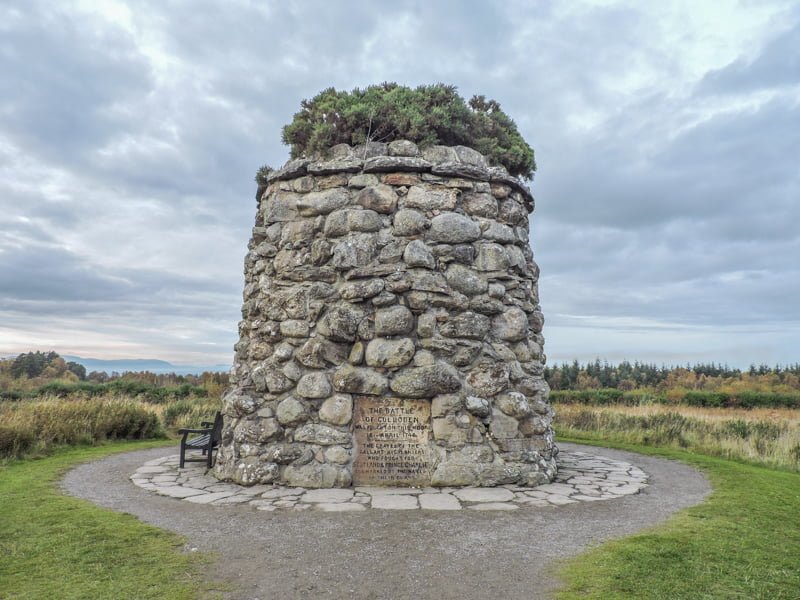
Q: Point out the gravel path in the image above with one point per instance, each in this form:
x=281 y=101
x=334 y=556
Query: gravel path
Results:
x=380 y=554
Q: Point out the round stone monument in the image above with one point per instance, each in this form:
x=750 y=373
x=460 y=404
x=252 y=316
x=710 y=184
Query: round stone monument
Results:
x=391 y=331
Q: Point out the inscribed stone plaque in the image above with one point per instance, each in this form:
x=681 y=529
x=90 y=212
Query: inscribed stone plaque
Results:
x=392 y=441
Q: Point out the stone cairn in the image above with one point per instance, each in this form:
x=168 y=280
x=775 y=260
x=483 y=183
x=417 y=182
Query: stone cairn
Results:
x=391 y=330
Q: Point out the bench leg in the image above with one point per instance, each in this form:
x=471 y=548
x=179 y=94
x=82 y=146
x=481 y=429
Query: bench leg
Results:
x=183 y=455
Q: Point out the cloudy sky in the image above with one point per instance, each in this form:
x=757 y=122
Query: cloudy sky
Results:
x=667 y=136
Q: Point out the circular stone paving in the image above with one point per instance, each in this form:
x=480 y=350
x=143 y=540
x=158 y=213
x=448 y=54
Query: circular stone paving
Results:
x=582 y=477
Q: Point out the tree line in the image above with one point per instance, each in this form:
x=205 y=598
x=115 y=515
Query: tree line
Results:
x=628 y=376
x=46 y=373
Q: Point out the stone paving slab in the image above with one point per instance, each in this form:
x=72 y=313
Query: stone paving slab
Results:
x=395 y=502
x=497 y=494
x=582 y=477
x=494 y=506
x=438 y=502
x=327 y=496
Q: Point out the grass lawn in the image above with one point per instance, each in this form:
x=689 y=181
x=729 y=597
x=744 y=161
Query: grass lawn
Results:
x=56 y=546
x=743 y=542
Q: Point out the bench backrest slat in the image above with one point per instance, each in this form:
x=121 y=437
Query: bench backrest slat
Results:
x=216 y=430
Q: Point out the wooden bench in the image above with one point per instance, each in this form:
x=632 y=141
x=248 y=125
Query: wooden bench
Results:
x=207 y=439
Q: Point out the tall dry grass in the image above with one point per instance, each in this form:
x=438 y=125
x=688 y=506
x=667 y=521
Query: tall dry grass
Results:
x=766 y=436
x=189 y=412
x=30 y=427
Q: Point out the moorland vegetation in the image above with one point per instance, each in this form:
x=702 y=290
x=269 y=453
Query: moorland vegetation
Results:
x=722 y=548
x=46 y=405
x=707 y=385
x=757 y=420
x=751 y=415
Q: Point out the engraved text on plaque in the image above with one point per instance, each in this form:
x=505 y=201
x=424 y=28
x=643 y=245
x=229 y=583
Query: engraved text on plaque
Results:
x=392 y=441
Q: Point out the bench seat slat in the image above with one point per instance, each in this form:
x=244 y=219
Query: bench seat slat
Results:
x=198 y=442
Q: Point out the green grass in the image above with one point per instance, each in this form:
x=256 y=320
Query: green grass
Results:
x=56 y=546
x=743 y=542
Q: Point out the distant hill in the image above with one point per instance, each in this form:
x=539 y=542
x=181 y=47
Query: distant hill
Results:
x=142 y=364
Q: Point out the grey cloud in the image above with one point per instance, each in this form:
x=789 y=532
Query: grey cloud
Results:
x=74 y=88
x=753 y=298
x=776 y=65
x=646 y=212
x=214 y=33
x=41 y=273
x=43 y=216
x=19 y=231
x=63 y=78
x=748 y=146
x=33 y=276
x=193 y=339
x=720 y=169
x=679 y=274
x=473 y=35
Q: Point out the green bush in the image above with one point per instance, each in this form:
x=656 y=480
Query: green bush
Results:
x=707 y=399
x=767 y=399
x=426 y=115
x=62 y=390
x=120 y=387
x=755 y=429
x=262 y=173
x=592 y=397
